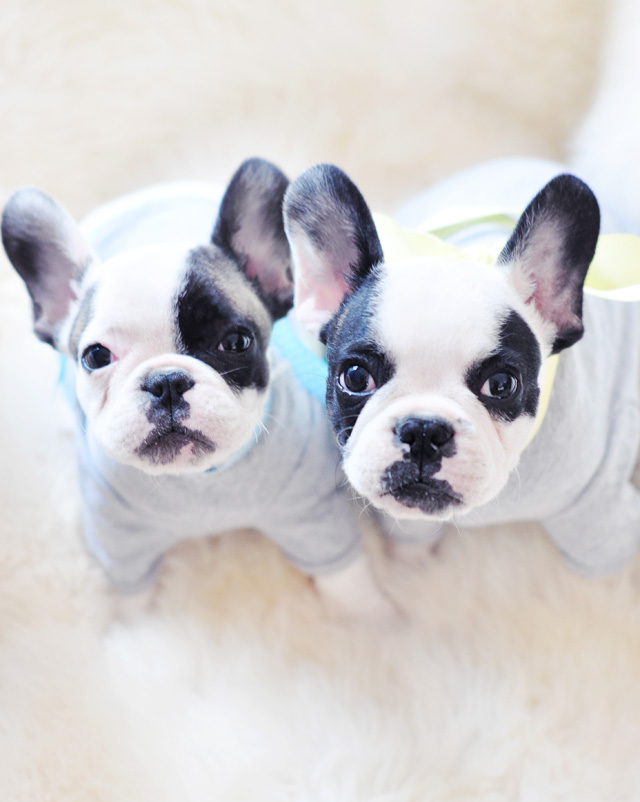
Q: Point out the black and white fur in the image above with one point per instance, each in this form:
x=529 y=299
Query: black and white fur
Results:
x=170 y=342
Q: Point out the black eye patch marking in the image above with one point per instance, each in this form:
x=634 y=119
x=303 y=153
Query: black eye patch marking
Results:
x=518 y=356
x=213 y=329
x=351 y=342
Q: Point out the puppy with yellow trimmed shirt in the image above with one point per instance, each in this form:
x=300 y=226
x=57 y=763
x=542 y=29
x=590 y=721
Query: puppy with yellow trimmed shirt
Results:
x=437 y=355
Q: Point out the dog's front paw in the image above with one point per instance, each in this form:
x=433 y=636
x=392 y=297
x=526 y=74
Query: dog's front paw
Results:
x=129 y=608
x=354 y=593
x=411 y=554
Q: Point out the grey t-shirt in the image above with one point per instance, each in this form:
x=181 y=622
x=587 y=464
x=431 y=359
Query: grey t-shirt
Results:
x=288 y=485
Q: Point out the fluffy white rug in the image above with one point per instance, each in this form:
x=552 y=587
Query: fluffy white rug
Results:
x=509 y=680
x=99 y=98
x=605 y=149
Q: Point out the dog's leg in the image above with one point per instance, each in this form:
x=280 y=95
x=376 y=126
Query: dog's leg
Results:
x=600 y=536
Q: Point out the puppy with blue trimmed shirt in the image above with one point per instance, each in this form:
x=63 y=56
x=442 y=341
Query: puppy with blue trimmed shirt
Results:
x=188 y=425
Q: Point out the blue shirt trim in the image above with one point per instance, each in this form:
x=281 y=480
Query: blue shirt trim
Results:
x=309 y=369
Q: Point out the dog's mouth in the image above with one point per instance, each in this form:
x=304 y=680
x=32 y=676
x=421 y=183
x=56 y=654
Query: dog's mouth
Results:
x=162 y=446
x=409 y=486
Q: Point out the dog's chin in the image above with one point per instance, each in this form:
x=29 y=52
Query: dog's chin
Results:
x=401 y=512
x=179 y=450
x=421 y=500
x=406 y=493
x=402 y=493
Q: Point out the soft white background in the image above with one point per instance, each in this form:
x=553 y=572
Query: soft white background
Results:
x=511 y=679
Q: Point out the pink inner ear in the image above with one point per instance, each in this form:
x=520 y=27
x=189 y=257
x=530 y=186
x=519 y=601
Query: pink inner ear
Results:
x=539 y=299
x=56 y=299
x=330 y=296
x=316 y=304
x=549 y=301
x=60 y=304
x=553 y=302
x=271 y=279
x=320 y=278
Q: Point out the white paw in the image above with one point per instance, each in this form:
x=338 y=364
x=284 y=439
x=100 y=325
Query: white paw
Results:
x=129 y=608
x=354 y=593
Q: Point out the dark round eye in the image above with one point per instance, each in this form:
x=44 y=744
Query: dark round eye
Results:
x=95 y=357
x=235 y=341
x=357 y=380
x=500 y=385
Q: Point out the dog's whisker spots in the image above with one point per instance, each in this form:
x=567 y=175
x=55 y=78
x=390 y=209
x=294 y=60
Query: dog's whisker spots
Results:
x=342 y=431
x=260 y=427
x=278 y=422
x=519 y=478
x=458 y=531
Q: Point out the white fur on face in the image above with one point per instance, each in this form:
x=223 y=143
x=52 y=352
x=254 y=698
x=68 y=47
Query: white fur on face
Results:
x=433 y=327
x=134 y=316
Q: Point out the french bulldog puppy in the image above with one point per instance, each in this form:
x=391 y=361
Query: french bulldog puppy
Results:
x=435 y=365
x=187 y=425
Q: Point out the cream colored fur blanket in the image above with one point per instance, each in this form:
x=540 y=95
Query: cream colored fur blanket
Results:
x=511 y=679
x=99 y=98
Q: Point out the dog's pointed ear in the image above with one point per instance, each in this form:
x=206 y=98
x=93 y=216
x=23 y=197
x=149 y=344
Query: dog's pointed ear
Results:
x=550 y=251
x=250 y=227
x=334 y=243
x=47 y=249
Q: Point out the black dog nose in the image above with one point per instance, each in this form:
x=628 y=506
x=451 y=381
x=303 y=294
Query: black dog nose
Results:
x=167 y=387
x=426 y=437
